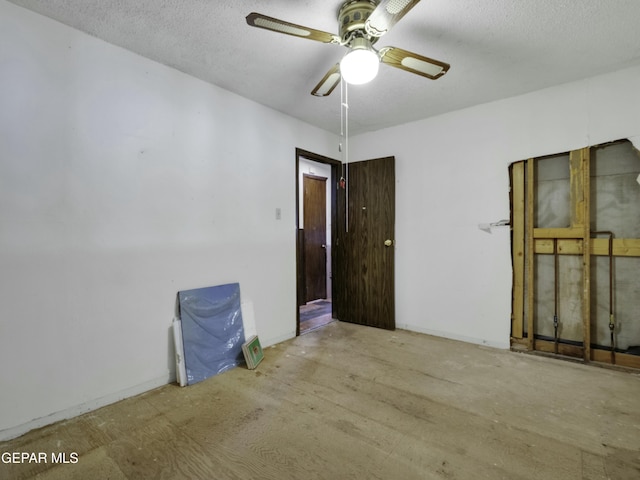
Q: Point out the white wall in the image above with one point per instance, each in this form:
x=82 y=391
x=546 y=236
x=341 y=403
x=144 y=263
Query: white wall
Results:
x=122 y=182
x=452 y=279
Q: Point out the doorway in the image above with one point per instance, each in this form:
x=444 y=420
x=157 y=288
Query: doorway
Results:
x=316 y=214
x=360 y=265
x=315 y=245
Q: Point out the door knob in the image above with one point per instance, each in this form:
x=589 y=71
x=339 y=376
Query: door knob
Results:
x=388 y=243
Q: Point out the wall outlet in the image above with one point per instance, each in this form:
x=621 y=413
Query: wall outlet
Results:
x=278 y=213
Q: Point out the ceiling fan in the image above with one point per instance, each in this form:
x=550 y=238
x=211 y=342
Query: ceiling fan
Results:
x=361 y=23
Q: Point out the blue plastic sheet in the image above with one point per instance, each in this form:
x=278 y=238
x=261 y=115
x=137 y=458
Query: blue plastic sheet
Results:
x=212 y=330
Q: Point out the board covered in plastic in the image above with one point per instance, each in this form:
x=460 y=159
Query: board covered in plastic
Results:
x=212 y=330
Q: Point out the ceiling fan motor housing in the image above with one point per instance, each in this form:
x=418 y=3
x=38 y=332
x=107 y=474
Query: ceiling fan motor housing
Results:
x=352 y=17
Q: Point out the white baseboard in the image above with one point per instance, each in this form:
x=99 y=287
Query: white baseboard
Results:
x=76 y=410
x=275 y=340
x=436 y=333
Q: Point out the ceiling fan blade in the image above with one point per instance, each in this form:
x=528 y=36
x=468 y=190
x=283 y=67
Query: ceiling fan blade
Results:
x=328 y=82
x=386 y=15
x=269 y=23
x=412 y=62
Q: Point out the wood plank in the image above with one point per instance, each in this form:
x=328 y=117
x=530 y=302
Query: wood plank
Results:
x=578 y=195
x=622 y=247
x=568 y=246
x=563 y=348
x=622 y=359
x=572 y=232
x=518 y=247
x=518 y=343
x=529 y=264
x=584 y=203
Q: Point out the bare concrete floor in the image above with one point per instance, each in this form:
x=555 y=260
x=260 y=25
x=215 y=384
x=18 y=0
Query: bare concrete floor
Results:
x=350 y=402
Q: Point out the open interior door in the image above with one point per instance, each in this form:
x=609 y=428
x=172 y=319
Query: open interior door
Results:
x=315 y=237
x=365 y=244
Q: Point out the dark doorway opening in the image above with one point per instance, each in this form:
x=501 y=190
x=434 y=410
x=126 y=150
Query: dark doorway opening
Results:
x=316 y=179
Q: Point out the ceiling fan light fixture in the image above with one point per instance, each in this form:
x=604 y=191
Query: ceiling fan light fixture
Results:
x=361 y=64
x=360 y=23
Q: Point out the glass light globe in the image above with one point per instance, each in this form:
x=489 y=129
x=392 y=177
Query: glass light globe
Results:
x=359 y=66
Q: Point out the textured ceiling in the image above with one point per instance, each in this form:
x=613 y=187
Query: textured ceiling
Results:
x=496 y=48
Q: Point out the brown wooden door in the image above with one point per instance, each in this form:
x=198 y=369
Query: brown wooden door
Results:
x=366 y=244
x=315 y=237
